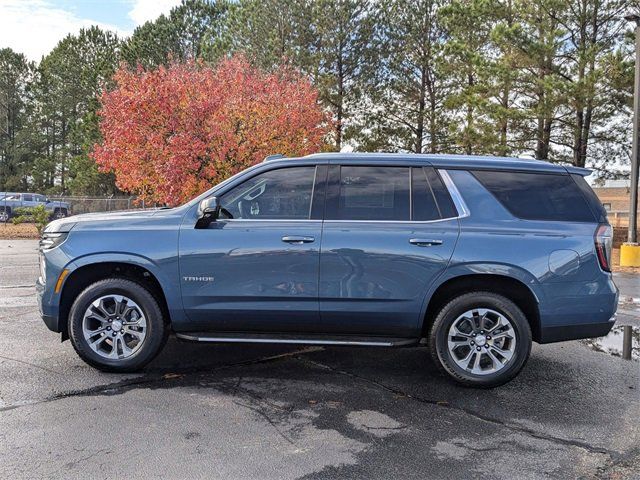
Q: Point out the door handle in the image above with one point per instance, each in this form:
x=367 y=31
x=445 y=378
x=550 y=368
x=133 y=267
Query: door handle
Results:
x=422 y=242
x=297 y=240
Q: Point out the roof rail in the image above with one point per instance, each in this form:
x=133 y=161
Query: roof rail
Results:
x=275 y=156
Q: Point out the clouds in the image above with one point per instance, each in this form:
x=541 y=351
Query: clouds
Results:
x=145 y=10
x=34 y=27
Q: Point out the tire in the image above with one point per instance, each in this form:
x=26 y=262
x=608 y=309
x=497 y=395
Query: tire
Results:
x=147 y=313
x=5 y=214
x=59 y=213
x=501 y=358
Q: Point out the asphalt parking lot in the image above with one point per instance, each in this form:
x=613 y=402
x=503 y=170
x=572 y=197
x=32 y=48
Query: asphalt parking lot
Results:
x=207 y=411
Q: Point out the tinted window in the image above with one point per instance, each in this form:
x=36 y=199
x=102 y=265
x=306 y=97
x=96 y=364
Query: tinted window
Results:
x=535 y=196
x=27 y=198
x=597 y=207
x=277 y=194
x=424 y=205
x=440 y=192
x=371 y=193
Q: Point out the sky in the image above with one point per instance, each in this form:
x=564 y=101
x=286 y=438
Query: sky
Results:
x=34 y=27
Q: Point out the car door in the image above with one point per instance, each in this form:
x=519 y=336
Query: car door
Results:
x=256 y=267
x=389 y=231
x=28 y=200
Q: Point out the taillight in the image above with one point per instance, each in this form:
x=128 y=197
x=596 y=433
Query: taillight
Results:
x=603 y=240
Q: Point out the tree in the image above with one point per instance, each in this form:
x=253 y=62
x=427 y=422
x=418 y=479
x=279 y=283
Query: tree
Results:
x=177 y=37
x=16 y=74
x=345 y=59
x=171 y=133
x=595 y=31
x=469 y=24
x=409 y=99
x=69 y=81
x=269 y=33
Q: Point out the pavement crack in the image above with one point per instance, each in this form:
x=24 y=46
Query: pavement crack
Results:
x=485 y=418
x=264 y=415
x=30 y=364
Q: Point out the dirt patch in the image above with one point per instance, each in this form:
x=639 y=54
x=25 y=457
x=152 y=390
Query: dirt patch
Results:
x=9 y=231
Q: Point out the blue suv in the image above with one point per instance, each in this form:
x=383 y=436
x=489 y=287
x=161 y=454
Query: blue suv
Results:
x=476 y=256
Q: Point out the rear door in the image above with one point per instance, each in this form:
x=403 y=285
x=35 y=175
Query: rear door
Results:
x=389 y=231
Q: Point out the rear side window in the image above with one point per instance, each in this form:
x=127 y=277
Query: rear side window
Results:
x=596 y=206
x=538 y=196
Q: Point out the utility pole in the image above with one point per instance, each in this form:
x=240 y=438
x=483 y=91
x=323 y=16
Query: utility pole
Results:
x=630 y=253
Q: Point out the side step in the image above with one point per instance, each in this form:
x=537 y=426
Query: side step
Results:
x=347 y=340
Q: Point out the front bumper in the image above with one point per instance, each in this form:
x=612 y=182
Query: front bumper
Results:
x=49 y=317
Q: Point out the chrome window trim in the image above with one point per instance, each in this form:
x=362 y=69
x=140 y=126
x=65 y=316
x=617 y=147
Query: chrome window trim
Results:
x=456 y=197
x=458 y=201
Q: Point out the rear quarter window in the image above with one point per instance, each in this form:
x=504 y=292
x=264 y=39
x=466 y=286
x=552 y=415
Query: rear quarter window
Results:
x=538 y=196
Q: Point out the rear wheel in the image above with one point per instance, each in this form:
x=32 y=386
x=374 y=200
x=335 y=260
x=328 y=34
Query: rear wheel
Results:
x=116 y=325
x=5 y=214
x=60 y=213
x=480 y=339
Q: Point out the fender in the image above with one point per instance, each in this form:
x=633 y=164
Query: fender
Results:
x=170 y=287
x=482 y=268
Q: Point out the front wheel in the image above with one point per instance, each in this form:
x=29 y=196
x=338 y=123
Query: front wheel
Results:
x=480 y=339
x=116 y=325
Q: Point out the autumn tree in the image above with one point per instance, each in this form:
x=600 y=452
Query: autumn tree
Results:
x=174 y=132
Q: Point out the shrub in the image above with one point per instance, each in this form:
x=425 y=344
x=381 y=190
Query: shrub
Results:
x=38 y=215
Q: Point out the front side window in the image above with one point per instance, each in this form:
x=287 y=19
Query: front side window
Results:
x=371 y=193
x=283 y=194
x=27 y=198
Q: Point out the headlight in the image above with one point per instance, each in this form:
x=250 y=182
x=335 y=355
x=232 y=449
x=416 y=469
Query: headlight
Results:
x=52 y=240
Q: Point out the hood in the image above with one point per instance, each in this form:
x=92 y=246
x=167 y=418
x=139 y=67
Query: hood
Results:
x=66 y=224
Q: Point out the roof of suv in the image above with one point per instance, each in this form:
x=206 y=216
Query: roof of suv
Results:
x=446 y=161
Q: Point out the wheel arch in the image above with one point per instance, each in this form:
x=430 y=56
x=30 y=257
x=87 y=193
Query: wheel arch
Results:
x=511 y=287
x=90 y=272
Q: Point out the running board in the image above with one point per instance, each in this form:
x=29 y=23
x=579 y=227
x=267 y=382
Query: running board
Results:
x=345 y=340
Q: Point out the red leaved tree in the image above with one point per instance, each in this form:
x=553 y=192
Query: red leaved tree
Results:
x=174 y=132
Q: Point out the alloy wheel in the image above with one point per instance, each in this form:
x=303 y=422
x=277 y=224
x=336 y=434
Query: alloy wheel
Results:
x=114 y=327
x=481 y=341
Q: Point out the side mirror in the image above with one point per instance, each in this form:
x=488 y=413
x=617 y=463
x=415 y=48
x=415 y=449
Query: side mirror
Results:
x=208 y=211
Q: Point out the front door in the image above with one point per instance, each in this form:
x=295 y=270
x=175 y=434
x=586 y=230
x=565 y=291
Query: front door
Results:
x=256 y=268
x=385 y=239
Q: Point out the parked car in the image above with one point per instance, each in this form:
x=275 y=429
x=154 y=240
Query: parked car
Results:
x=12 y=201
x=480 y=256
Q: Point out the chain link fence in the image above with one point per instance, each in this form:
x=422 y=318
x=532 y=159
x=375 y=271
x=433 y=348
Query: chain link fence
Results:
x=81 y=204
x=65 y=205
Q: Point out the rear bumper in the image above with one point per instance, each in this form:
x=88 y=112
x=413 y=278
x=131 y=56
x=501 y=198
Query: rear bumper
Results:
x=575 y=311
x=573 y=332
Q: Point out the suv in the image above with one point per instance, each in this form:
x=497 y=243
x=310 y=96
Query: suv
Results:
x=9 y=202
x=478 y=256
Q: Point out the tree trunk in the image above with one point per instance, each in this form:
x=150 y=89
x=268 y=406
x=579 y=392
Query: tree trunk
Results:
x=421 y=110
